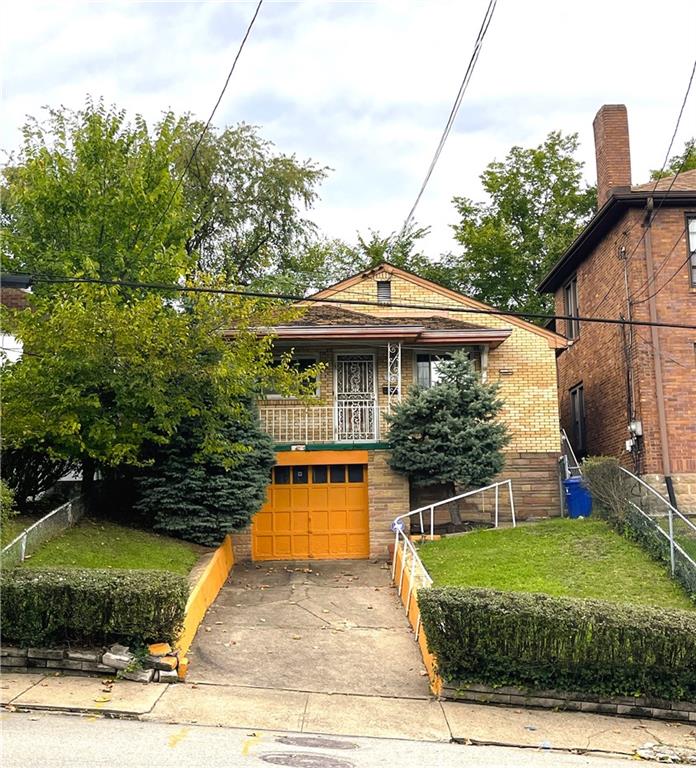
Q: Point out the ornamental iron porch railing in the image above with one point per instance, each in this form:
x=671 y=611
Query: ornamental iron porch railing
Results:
x=344 y=421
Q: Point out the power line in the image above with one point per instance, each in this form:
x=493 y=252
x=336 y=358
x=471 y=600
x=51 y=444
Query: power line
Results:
x=205 y=128
x=689 y=256
x=657 y=181
x=357 y=302
x=455 y=107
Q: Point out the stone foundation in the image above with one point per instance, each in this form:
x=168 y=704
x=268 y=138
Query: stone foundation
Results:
x=241 y=545
x=684 y=489
x=535 y=491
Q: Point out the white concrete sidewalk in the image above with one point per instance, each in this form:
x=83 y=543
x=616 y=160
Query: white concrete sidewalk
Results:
x=308 y=712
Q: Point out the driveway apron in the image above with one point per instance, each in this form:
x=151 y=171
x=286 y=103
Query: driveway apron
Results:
x=328 y=626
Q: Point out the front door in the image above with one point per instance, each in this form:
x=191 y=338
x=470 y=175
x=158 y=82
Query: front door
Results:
x=355 y=416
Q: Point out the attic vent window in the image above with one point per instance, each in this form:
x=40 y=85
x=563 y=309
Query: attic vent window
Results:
x=383 y=292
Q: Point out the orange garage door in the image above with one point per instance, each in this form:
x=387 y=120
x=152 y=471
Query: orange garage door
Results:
x=315 y=512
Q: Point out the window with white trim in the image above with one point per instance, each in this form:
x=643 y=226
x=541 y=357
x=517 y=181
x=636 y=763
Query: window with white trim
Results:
x=577 y=420
x=691 y=245
x=570 y=307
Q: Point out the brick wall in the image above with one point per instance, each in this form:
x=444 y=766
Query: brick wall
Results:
x=388 y=496
x=527 y=358
x=534 y=485
x=13 y=298
x=598 y=359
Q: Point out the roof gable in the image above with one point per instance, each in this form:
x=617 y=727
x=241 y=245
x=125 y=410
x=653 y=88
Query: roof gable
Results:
x=440 y=291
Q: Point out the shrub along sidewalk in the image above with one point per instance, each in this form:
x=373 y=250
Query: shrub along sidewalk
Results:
x=61 y=606
x=572 y=558
x=101 y=544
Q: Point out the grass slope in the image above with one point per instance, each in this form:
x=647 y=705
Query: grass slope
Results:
x=100 y=544
x=573 y=558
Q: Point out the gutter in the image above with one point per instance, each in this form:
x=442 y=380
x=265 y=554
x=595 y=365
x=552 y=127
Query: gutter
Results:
x=657 y=357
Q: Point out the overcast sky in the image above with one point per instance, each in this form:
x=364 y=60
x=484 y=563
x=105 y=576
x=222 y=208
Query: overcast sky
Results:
x=366 y=87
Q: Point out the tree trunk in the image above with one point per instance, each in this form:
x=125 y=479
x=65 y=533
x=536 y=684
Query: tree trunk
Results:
x=88 y=469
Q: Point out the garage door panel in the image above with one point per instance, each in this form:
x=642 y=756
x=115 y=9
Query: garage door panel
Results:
x=300 y=522
x=358 y=543
x=318 y=497
x=281 y=498
x=327 y=519
x=300 y=547
x=356 y=519
x=320 y=520
x=338 y=519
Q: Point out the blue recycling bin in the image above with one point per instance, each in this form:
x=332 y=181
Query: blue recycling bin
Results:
x=578 y=498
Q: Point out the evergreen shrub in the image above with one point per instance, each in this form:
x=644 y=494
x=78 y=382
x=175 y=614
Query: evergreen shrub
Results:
x=449 y=433
x=203 y=500
x=543 y=642
x=59 y=606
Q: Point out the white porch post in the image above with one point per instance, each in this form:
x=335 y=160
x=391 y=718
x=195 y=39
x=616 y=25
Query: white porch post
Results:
x=484 y=363
x=393 y=374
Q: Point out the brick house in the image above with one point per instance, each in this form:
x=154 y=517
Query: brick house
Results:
x=631 y=392
x=333 y=494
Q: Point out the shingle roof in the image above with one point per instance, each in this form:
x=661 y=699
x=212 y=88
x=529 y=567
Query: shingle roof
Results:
x=331 y=315
x=683 y=182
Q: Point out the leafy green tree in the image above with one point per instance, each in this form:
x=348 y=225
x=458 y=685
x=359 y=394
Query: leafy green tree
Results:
x=108 y=369
x=333 y=260
x=449 y=434
x=202 y=501
x=7 y=508
x=246 y=203
x=537 y=205
x=684 y=161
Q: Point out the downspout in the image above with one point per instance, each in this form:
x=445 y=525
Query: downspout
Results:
x=657 y=358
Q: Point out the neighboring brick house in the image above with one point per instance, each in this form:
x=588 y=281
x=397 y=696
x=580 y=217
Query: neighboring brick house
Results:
x=631 y=392
x=10 y=298
x=333 y=494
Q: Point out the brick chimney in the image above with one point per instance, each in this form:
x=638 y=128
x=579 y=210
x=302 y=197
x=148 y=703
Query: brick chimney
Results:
x=612 y=151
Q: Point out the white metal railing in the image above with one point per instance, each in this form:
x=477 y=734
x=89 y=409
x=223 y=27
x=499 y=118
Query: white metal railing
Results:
x=656 y=508
x=42 y=530
x=344 y=421
x=406 y=552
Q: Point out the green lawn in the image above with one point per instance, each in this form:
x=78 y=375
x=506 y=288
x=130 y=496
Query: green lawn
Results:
x=99 y=544
x=573 y=558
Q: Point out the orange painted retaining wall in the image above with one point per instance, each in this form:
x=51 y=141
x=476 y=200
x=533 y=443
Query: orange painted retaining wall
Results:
x=205 y=591
x=408 y=598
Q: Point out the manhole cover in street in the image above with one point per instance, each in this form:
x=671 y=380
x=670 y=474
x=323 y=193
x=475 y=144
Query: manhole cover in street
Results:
x=304 y=760
x=315 y=741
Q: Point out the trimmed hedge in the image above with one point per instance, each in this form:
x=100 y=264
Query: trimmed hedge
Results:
x=539 y=641
x=59 y=606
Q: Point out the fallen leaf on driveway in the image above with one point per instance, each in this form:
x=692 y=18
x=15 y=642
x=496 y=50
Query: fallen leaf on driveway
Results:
x=297 y=637
x=102 y=699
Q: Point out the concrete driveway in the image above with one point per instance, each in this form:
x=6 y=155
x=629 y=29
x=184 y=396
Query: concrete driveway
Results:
x=322 y=626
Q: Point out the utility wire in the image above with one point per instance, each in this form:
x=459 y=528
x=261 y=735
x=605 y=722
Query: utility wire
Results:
x=689 y=256
x=455 y=107
x=205 y=128
x=657 y=181
x=359 y=302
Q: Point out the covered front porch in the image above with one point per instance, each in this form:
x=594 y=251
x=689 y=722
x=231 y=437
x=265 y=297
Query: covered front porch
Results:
x=367 y=370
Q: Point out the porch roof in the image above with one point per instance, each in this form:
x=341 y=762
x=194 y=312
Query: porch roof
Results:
x=331 y=323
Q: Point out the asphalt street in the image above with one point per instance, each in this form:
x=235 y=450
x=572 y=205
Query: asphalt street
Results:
x=41 y=740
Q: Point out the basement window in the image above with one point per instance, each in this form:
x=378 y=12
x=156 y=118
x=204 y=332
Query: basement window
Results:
x=384 y=292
